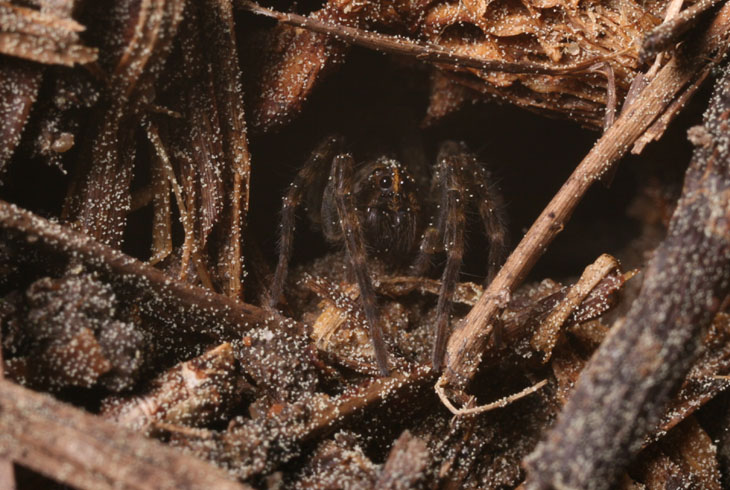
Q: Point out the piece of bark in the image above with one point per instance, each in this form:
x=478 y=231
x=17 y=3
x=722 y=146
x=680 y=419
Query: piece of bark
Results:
x=624 y=389
x=406 y=464
x=287 y=63
x=548 y=332
x=74 y=337
x=339 y=463
x=85 y=451
x=194 y=393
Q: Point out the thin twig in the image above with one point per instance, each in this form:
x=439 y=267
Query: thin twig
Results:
x=624 y=389
x=86 y=451
x=467 y=343
x=669 y=32
x=406 y=47
x=350 y=403
x=502 y=402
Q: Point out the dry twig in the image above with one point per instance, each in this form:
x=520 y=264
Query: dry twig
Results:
x=467 y=343
x=623 y=390
x=669 y=32
x=403 y=46
x=83 y=450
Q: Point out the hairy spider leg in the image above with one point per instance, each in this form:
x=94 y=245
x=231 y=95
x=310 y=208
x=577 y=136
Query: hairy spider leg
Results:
x=491 y=209
x=431 y=242
x=476 y=180
x=314 y=167
x=342 y=175
x=453 y=216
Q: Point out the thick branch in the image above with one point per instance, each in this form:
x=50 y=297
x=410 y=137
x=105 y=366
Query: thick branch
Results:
x=83 y=450
x=623 y=391
x=467 y=344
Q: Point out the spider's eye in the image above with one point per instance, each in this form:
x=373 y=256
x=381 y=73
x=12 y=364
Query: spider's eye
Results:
x=386 y=182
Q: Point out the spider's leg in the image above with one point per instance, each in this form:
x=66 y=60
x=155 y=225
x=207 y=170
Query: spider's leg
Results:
x=314 y=167
x=491 y=209
x=430 y=242
x=342 y=173
x=454 y=221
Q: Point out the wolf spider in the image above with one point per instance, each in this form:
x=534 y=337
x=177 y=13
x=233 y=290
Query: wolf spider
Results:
x=375 y=210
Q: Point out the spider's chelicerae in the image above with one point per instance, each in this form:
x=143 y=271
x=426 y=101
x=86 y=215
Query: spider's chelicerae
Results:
x=376 y=210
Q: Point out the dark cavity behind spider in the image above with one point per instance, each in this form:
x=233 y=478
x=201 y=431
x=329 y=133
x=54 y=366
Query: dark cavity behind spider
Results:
x=377 y=210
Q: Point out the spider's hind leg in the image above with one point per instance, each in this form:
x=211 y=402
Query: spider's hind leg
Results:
x=342 y=177
x=315 y=167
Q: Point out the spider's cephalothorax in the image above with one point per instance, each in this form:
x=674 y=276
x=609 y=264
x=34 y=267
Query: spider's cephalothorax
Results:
x=386 y=204
x=376 y=210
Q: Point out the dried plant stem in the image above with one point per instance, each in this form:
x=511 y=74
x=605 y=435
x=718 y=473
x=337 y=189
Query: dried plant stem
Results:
x=502 y=402
x=220 y=34
x=377 y=390
x=180 y=305
x=547 y=333
x=169 y=175
x=100 y=199
x=669 y=32
x=468 y=342
x=624 y=389
x=403 y=46
x=85 y=451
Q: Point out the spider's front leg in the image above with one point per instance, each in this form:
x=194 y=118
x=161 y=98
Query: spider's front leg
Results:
x=314 y=167
x=342 y=175
x=452 y=217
